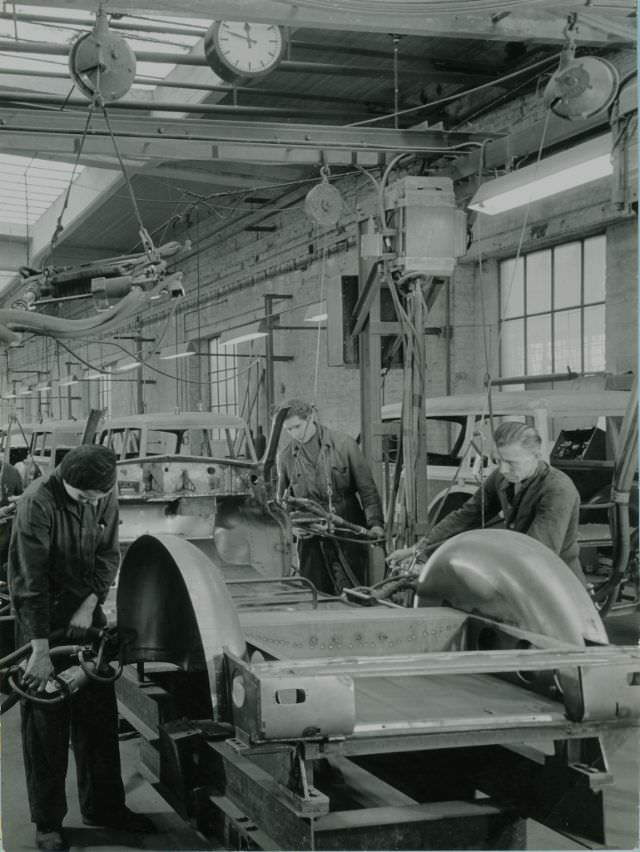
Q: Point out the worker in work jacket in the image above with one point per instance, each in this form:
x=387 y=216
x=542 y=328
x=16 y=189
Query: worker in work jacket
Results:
x=534 y=499
x=327 y=466
x=63 y=557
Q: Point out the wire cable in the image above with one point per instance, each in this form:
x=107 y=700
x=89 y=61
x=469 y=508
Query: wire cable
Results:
x=456 y=95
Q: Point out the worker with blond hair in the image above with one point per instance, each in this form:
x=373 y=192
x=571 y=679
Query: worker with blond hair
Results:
x=533 y=497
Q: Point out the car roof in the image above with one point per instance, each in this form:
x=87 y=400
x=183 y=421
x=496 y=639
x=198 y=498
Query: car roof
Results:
x=559 y=403
x=171 y=421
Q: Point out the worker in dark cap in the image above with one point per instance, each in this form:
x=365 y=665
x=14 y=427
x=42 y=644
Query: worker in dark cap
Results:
x=63 y=557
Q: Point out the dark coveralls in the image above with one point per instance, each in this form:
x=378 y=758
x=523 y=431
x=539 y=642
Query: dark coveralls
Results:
x=61 y=551
x=10 y=486
x=339 y=476
x=546 y=507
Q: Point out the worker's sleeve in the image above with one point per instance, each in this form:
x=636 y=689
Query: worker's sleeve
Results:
x=554 y=514
x=29 y=570
x=365 y=485
x=107 y=549
x=485 y=502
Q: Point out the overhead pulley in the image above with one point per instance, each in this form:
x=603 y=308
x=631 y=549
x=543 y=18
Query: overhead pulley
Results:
x=583 y=87
x=323 y=203
x=101 y=63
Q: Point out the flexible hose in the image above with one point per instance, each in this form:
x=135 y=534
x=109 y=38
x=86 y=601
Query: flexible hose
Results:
x=57 y=699
x=91 y=673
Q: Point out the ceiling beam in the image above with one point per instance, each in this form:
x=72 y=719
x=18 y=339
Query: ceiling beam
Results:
x=523 y=143
x=151 y=138
x=530 y=26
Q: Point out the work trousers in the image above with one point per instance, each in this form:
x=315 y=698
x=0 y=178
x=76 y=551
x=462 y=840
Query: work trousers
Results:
x=319 y=563
x=91 y=717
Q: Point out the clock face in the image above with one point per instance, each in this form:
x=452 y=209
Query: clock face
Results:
x=247 y=50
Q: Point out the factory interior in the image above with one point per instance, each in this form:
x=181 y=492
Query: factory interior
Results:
x=319 y=425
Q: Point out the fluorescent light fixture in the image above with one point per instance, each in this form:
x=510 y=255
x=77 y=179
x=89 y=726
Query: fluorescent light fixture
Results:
x=316 y=312
x=576 y=166
x=178 y=350
x=130 y=365
x=44 y=387
x=8 y=395
x=23 y=392
x=251 y=331
x=93 y=375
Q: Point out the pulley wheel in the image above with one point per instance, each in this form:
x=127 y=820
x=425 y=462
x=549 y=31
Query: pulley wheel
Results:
x=102 y=63
x=323 y=204
x=583 y=88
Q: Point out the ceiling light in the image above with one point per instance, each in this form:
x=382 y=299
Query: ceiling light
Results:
x=44 y=387
x=23 y=392
x=566 y=170
x=316 y=312
x=130 y=365
x=251 y=331
x=8 y=395
x=93 y=375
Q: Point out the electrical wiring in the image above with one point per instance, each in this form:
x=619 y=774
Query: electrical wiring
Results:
x=456 y=95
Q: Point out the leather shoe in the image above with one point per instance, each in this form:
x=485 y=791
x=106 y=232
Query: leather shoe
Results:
x=124 y=820
x=51 y=840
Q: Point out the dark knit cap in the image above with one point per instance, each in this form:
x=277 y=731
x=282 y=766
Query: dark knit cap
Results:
x=89 y=467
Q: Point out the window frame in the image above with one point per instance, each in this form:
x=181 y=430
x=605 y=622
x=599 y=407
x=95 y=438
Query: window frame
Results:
x=552 y=312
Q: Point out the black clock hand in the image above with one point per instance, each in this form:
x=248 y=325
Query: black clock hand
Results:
x=239 y=35
x=247 y=29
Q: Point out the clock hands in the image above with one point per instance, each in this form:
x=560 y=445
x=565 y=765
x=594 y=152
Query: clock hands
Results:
x=247 y=29
x=250 y=41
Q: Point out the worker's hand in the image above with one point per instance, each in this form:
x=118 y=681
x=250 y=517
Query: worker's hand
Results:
x=379 y=531
x=400 y=555
x=39 y=669
x=82 y=618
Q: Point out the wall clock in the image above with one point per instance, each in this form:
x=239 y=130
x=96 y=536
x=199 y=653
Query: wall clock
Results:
x=241 y=50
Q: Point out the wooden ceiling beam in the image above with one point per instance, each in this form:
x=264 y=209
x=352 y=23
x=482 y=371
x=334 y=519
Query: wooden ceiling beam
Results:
x=532 y=26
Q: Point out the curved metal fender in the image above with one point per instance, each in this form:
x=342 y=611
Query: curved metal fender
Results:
x=511 y=578
x=175 y=607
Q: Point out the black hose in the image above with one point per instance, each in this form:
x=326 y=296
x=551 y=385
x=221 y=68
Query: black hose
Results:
x=58 y=699
x=91 y=673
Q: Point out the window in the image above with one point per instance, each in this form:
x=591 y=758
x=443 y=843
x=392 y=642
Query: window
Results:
x=223 y=377
x=552 y=310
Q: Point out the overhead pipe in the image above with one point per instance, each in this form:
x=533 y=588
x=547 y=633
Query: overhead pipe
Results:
x=212 y=87
x=11 y=46
x=170 y=106
x=464 y=69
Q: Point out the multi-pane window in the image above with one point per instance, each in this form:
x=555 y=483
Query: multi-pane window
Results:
x=552 y=310
x=223 y=376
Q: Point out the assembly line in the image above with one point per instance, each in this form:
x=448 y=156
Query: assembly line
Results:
x=319 y=441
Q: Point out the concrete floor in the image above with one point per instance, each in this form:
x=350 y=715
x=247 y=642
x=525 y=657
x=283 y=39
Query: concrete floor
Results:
x=622 y=799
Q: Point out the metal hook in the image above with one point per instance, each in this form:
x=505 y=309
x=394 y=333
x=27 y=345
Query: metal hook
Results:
x=325 y=172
